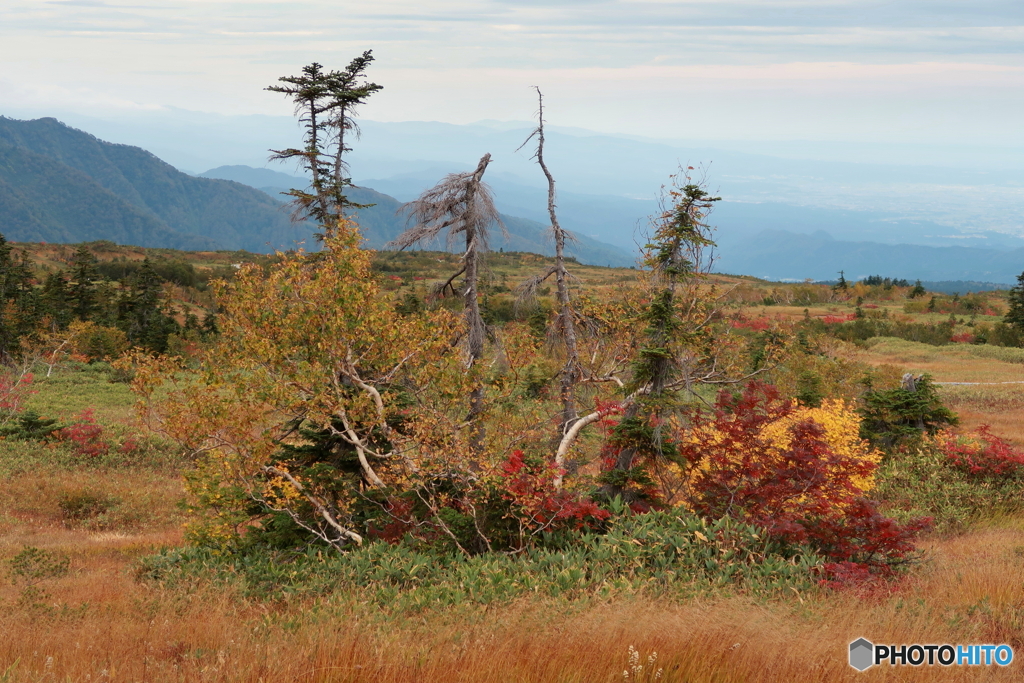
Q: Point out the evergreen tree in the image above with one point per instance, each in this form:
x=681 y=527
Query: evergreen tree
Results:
x=917 y=291
x=84 y=300
x=892 y=417
x=673 y=256
x=842 y=285
x=1015 y=314
x=19 y=303
x=55 y=301
x=142 y=314
x=210 y=328
x=191 y=322
x=325 y=102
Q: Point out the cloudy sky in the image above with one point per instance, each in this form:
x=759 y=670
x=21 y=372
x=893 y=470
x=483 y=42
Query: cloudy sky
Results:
x=924 y=71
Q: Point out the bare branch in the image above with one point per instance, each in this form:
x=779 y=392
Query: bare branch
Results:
x=574 y=431
x=315 y=502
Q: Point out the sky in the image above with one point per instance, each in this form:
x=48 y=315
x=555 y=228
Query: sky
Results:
x=936 y=72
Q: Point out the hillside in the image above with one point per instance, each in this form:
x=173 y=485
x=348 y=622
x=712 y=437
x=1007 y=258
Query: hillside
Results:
x=63 y=185
x=59 y=184
x=42 y=199
x=383 y=221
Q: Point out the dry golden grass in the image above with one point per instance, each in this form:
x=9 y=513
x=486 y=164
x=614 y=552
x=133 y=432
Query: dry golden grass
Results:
x=951 y=363
x=1000 y=406
x=970 y=589
x=137 y=499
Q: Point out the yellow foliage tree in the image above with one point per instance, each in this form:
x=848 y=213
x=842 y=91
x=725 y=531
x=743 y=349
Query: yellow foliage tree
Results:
x=311 y=350
x=840 y=425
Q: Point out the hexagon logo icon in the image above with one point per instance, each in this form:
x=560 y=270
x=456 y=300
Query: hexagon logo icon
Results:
x=862 y=654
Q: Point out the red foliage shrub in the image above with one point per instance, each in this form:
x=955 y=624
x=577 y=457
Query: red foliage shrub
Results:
x=13 y=392
x=962 y=338
x=400 y=522
x=803 y=494
x=85 y=436
x=757 y=324
x=538 y=505
x=982 y=453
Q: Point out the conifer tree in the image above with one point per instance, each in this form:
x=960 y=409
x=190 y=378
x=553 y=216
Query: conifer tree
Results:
x=142 y=313
x=19 y=302
x=673 y=255
x=841 y=285
x=325 y=102
x=83 y=291
x=1015 y=314
x=55 y=301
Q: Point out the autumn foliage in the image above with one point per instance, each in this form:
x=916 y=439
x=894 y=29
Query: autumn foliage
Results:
x=85 y=436
x=981 y=453
x=756 y=458
x=328 y=413
x=538 y=505
x=14 y=389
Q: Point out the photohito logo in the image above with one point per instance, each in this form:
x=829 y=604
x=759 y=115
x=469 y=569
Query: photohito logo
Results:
x=864 y=654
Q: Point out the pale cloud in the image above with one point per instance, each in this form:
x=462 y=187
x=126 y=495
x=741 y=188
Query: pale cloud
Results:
x=822 y=67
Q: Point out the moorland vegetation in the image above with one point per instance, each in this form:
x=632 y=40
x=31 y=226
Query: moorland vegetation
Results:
x=413 y=465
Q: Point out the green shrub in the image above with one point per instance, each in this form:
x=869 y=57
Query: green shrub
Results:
x=659 y=553
x=899 y=417
x=99 y=343
x=30 y=569
x=30 y=425
x=78 y=505
x=33 y=565
x=925 y=481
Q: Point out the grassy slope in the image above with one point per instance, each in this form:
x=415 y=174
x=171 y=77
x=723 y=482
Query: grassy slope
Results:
x=100 y=622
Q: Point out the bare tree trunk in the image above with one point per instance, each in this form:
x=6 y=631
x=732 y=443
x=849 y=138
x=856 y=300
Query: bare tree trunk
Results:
x=312 y=152
x=461 y=203
x=566 y=325
x=339 y=164
x=471 y=306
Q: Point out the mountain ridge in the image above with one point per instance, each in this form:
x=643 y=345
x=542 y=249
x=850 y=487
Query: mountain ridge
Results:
x=61 y=184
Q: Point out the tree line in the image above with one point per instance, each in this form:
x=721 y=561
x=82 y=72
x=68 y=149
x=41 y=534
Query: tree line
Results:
x=125 y=303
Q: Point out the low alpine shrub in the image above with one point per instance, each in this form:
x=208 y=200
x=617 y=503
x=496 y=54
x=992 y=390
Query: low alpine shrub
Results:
x=800 y=490
x=981 y=453
x=955 y=478
x=85 y=436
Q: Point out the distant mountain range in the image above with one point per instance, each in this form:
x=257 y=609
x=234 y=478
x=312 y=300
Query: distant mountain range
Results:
x=776 y=254
x=384 y=221
x=59 y=184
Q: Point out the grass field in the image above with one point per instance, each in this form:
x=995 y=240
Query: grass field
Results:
x=985 y=399
x=100 y=621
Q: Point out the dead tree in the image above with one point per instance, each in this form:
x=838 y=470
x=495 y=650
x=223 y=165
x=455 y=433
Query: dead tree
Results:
x=460 y=204
x=565 y=323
